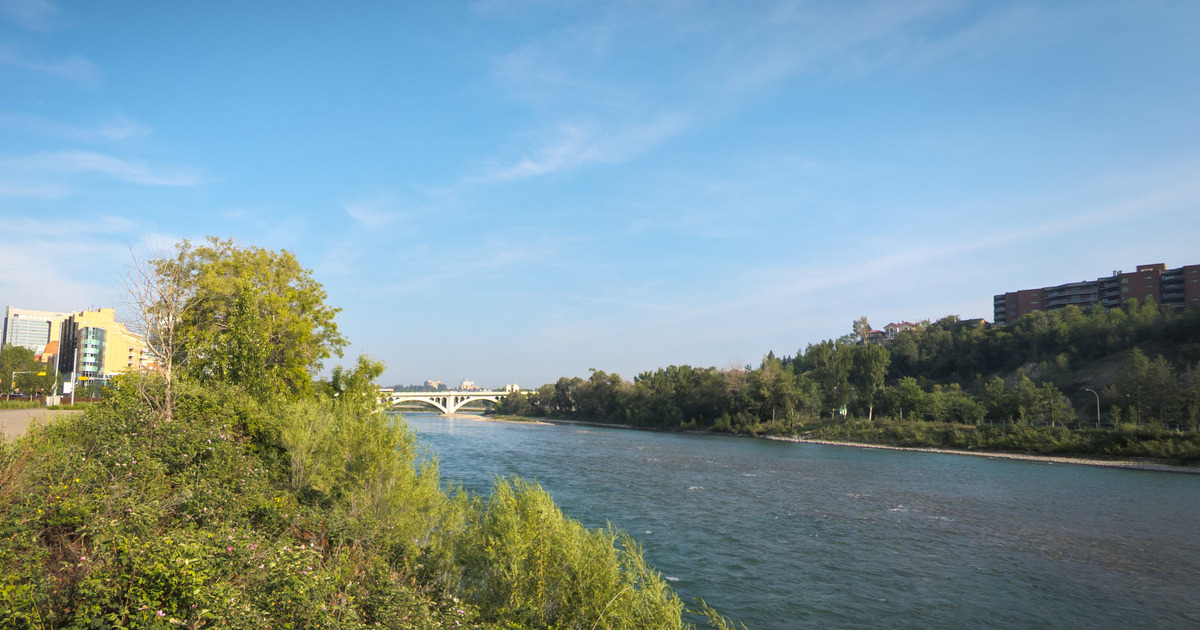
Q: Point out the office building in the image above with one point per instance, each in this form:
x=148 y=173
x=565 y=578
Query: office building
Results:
x=93 y=344
x=31 y=329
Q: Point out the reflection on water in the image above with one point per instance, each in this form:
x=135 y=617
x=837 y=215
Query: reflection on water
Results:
x=781 y=535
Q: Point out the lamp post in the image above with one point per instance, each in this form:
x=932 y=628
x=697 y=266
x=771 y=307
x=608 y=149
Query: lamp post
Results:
x=1097 y=405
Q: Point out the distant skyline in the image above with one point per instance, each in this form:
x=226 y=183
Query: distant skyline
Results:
x=510 y=191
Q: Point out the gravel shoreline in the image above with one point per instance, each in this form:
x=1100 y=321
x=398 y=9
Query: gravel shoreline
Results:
x=1048 y=459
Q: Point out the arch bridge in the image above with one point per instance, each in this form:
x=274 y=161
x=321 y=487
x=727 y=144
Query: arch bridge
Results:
x=446 y=402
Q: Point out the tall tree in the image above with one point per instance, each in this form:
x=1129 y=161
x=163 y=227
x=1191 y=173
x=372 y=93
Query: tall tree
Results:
x=254 y=317
x=867 y=369
x=862 y=329
x=829 y=367
x=159 y=291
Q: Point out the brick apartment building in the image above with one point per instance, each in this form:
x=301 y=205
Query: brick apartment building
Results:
x=1173 y=287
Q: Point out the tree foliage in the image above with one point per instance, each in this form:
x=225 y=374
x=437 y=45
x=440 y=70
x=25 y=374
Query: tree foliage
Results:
x=253 y=317
x=945 y=371
x=21 y=372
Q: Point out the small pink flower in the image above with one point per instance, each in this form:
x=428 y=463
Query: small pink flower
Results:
x=83 y=558
x=162 y=614
x=229 y=549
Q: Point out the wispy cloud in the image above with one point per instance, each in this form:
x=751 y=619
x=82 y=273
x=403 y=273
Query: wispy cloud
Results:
x=114 y=129
x=569 y=75
x=372 y=212
x=570 y=146
x=32 y=228
x=72 y=162
x=32 y=191
x=35 y=15
x=74 y=68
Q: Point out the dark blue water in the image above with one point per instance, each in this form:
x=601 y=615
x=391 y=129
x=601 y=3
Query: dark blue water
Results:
x=781 y=535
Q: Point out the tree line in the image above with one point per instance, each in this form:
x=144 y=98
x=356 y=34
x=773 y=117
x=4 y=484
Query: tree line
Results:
x=1035 y=371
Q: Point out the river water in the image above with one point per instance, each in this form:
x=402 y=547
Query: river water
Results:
x=783 y=535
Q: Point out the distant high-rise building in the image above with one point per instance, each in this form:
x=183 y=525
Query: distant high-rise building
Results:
x=31 y=329
x=1173 y=287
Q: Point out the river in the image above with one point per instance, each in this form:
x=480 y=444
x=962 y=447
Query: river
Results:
x=779 y=535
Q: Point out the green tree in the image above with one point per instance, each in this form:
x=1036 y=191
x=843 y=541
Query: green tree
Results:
x=862 y=329
x=354 y=387
x=828 y=363
x=867 y=368
x=20 y=371
x=775 y=387
x=1134 y=383
x=255 y=318
x=911 y=399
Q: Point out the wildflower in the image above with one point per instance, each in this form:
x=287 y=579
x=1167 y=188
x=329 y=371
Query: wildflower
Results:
x=229 y=549
x=162 y=614
x=83 y=558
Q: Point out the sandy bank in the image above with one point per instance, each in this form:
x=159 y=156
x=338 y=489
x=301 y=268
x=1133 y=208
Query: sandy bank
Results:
x=1048 y=459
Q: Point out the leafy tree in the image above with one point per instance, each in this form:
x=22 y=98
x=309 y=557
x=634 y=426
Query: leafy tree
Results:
x=829 y=363
x=911 y=399
x=868 y=367
x=20 y=371
x=775 y=387
x=355 y=387
x=862 y=329
x=254 y=317
x=1134 y=382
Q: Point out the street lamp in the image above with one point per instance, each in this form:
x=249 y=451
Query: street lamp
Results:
x=1097 y=405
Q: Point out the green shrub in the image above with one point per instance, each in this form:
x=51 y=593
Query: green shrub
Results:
x=518 y=558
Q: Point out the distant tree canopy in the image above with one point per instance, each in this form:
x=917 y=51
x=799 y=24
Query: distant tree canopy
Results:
x=949 y=371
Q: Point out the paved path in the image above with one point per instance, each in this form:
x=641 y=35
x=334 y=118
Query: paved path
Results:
x=14 y=422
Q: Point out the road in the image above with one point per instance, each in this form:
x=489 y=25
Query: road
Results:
x=14 y=422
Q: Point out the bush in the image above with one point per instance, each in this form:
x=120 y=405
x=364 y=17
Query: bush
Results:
x=312 y=515
x=518 y=558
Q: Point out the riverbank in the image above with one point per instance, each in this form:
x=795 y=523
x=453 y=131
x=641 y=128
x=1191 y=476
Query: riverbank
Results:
x=1047 y=459
x=1128 y=464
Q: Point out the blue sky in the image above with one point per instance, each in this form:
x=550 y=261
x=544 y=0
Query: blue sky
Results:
x=513 y=191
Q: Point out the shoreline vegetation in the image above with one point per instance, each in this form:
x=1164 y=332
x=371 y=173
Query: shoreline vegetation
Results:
x=1104 y=384
x=1128 y=464
x=230 y=487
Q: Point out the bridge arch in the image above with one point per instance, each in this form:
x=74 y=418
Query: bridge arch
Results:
x=447 y=402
